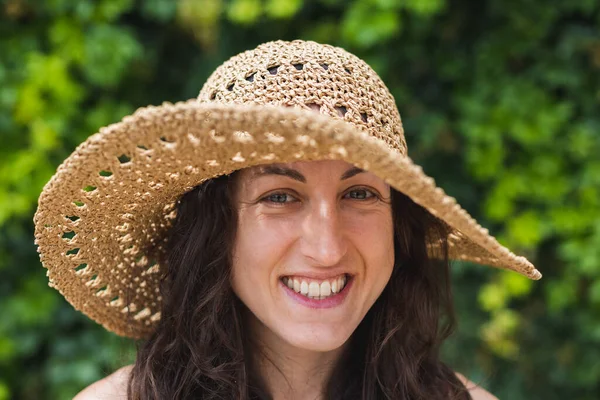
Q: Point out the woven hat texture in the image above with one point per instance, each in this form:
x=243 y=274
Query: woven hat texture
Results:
x=108 y=208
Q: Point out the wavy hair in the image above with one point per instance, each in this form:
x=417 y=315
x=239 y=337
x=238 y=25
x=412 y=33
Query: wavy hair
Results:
x=200 y=350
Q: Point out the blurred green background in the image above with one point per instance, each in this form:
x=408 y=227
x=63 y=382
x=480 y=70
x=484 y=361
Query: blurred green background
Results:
x=500 y=102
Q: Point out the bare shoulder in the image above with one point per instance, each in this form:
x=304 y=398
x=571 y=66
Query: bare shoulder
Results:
x=476 y=391
x=113 y=386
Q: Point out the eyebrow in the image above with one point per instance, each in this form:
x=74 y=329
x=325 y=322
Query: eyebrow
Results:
x=273 y=169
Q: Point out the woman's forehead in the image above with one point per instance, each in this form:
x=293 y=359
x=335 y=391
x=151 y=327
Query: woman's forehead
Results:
x=299 y=169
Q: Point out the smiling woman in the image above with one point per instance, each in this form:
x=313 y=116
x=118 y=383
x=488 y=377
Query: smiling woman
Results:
x=328 y=273
x=304 y=230
x=265 y=250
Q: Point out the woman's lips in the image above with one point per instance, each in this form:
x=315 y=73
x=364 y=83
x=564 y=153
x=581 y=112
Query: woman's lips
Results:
x=330 y=301
x=315 y=288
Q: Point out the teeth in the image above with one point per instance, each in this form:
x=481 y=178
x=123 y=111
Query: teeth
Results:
x=314 y=290
x=304 y=288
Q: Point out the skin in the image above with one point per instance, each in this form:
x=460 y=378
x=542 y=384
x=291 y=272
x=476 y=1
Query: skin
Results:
x=322 y=226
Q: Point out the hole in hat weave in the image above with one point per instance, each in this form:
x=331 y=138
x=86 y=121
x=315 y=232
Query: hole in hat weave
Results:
x=116 y=301
x=92 y=281
x=103 y=291
x=68 y=235
x=80 y=267
x=341 y=111
x=123 y=158
x=314 y=106
x=273 y=70
x=73 y=251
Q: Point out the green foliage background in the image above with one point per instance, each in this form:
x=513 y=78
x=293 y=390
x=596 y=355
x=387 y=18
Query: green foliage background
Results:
x=500 y=102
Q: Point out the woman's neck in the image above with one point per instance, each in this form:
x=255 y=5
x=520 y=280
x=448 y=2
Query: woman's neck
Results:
x=291 y=373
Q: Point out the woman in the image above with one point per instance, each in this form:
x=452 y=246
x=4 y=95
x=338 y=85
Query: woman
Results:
x=261 y=249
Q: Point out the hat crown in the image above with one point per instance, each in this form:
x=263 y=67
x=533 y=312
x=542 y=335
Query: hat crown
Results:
x=314 y=76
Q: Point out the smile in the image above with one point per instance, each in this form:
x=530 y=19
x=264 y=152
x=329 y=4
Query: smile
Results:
x=316 y=289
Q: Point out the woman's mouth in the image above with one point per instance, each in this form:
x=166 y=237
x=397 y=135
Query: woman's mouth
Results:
x=314 y=288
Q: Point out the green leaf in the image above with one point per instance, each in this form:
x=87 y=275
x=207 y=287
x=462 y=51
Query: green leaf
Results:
x=499 y=332
x=110 y=10
x=4 y=391
x=492 y=297
x=29 y=103
x=594 y=292
x=425 y=7
x=160 y=10
x=486 y=160
x=364 y=26
x=67 y=38
x=583 y=139
x=525 y=228
x=570 y=220
x=516 y=285
x=500 y=204
x=84 y=10
x=560 y=294
x=109 y=51
x=7 y=349
x=244 y=11
x=283 y=9
x=43 y=135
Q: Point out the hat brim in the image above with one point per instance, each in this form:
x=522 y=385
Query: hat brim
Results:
x=115 y=196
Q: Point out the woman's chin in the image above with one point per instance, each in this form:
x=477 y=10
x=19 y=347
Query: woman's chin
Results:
x=321 y=339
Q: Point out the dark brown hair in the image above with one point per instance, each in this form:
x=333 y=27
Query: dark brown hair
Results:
x=200 y=350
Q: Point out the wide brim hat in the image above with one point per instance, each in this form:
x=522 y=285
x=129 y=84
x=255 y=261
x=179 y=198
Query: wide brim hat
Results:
x=105 y=214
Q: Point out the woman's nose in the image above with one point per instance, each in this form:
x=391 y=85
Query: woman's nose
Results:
x=323 y=240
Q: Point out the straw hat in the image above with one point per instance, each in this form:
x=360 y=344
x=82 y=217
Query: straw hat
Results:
x=114 y=198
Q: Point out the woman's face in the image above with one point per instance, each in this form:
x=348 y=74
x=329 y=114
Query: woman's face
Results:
x=314 y=249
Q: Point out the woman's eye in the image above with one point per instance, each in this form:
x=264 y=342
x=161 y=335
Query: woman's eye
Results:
x=283 y=198
x=361 y=194
x=277 y=198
